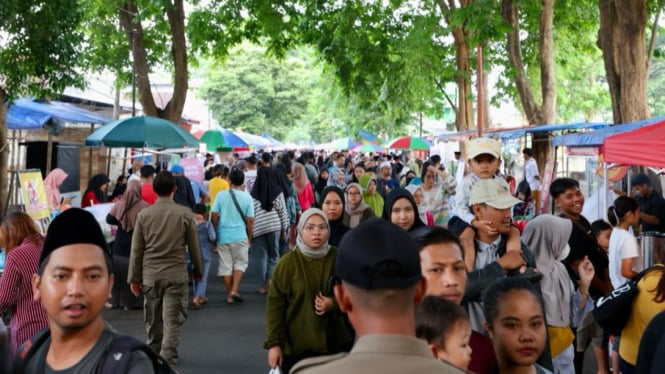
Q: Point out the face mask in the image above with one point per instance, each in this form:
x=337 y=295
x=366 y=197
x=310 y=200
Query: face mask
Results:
x=564 y=254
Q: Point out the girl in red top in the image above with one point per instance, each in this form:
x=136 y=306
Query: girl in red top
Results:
x=96 y=191
x=303 y=187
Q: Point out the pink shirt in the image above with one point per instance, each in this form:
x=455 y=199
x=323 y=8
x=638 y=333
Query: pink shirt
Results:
x=306 y=197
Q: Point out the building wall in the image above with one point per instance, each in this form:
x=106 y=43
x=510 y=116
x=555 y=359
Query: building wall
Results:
x=93 y=160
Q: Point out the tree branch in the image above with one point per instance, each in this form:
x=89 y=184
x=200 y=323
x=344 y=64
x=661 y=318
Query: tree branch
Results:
x=443 y=91
x=654 y=33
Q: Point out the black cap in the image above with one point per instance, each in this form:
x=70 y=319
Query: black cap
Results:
x=377 y=255
x=199 y=209
x=640 y=179
x=73 y=226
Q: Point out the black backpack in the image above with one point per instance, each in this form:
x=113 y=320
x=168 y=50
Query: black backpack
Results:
x=115 y=361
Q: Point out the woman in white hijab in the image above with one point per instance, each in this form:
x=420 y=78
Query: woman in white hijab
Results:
x=547 y=236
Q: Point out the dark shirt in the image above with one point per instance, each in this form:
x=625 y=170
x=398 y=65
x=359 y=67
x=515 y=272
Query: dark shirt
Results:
x=652 y=347
x=654 y=205
x=583 y=243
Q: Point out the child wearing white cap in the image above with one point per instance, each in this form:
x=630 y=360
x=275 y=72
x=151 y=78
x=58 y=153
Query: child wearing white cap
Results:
x=484 y=156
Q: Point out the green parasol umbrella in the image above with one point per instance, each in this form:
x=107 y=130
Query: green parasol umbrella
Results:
x=142 y=132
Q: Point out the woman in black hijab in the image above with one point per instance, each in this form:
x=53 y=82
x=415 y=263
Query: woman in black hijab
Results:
x=332 y=203
x=401 y=209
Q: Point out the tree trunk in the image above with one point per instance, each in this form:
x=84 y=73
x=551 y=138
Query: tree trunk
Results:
x=545 y=113
x=135 y=35
x=4 y=152
x=464 y=112
x=621 y=37
x=464 y=120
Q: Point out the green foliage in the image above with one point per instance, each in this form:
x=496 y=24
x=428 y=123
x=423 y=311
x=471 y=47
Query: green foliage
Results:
x=256 y=93
x=39 y=46
x=582 y=92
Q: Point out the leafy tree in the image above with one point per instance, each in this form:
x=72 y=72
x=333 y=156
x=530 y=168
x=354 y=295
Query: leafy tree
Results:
x=38 y=56
x=256 y=93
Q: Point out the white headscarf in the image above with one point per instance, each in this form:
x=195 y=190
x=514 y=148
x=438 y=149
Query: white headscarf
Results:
x=304 y=249
x=547 y=237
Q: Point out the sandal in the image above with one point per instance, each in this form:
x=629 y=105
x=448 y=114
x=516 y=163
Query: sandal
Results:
x=237 y=298
x=196 y=305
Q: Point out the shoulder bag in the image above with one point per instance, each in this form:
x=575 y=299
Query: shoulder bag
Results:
x=613 y=311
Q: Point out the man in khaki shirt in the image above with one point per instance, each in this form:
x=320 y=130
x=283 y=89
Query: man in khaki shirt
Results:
x=381 y=283
x=162 y=234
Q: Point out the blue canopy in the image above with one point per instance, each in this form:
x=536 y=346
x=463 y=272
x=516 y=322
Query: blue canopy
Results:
x=29 y=114
x=518 y=133
x=596 y=138
x=274 y=142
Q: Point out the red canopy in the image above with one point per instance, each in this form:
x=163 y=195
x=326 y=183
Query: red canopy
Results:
x=638 y=147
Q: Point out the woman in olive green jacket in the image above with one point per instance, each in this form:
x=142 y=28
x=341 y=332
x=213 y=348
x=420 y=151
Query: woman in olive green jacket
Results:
x=302 y=319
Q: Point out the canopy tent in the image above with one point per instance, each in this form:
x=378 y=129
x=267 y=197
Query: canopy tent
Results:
x=505 y=135
x=637 y=147
x=340 y=144
x=596 y=138
x=366 y=137
x=30 y=114
x=252 y=140
x=273 y=142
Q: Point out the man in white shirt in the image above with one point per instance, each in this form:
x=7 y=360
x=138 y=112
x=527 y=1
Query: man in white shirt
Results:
x=532 y=176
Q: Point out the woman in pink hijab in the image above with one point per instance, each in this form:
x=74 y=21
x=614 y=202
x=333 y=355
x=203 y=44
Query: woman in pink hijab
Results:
x=52 y=184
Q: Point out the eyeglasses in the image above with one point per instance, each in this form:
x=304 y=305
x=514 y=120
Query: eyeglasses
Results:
x=312 y=228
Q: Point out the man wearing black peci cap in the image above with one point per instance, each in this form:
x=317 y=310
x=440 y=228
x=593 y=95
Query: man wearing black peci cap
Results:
x=73 y=282
x=381 y=283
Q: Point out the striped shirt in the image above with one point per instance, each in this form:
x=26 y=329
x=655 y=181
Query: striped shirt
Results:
x=27 y=315
x=273 y=221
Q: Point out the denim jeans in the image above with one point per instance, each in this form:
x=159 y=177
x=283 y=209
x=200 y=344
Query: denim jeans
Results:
x=265 y=253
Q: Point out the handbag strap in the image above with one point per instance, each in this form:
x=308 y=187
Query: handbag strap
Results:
x=235 y=202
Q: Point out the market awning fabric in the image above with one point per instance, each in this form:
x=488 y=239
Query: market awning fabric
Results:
x=638 y=147
x=596 y=138
x=30 y=114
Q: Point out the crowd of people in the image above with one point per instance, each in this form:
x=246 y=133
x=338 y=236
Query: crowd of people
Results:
x=369 y=263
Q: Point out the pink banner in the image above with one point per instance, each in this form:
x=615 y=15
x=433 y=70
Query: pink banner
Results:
x=193 y=169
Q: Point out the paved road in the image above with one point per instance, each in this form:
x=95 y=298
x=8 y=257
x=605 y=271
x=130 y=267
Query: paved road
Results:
x=220 y=338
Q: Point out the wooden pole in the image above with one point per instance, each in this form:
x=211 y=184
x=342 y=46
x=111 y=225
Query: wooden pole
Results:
x=479 y=90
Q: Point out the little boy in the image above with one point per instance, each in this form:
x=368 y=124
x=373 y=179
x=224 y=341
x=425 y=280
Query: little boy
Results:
x=446 y=328
x=484 y=160
x=207 y=241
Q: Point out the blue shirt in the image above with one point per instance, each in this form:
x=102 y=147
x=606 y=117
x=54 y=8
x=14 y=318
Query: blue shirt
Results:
x=231 y=227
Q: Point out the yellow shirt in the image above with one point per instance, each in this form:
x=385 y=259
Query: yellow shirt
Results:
x=644 y=309
x=216 y=185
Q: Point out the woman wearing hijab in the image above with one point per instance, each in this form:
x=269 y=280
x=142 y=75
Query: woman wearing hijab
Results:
x=547 y=236
x=321 y=183
x=356 y=209
x=123 y=214
x=425 y=215
x=332 y=204
x=96 y=191
x=301 y=318
x=370 y=196
x=402 y=210
x=270 y=224
x=52 y=184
